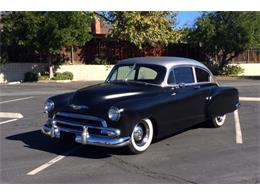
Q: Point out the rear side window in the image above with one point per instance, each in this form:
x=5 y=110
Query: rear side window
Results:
x=202 y=75
x=146 y=73
x=183 y=75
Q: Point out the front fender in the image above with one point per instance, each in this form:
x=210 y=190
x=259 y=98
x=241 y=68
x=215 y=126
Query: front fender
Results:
x=135 y=110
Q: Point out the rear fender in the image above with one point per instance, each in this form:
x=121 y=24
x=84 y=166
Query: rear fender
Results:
x=223 y=100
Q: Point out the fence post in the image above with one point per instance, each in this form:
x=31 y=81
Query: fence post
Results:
x=72 y=55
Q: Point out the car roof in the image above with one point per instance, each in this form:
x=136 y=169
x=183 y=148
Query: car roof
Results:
x=167 y=62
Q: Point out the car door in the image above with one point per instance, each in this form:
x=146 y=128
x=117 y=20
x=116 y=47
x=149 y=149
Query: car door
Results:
x=203 y=85
x=188 y=97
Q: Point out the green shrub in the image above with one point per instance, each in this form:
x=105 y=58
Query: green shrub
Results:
x=100 y=60
x=43 y=77
x=63 y=76
x=232 y=70
x=30 y=77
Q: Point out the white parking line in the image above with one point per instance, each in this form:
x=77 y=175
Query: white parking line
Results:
x=51 y=162
x=10 y=115
x=250 y=99
x=13 y=115
x=25 y=98
x=239 y=138
x=8 y=121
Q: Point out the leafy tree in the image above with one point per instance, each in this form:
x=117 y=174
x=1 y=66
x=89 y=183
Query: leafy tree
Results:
x=224 y=35
x=47 y=32
x=255 y=42
x=143 y=27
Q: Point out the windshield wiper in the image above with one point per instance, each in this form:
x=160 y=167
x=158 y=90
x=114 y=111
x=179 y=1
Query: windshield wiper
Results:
x=142 y=82
x=127 y=74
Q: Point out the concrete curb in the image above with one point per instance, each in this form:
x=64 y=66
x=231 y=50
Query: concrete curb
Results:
x=63 y=81
x=54 y=81
x=14 y=83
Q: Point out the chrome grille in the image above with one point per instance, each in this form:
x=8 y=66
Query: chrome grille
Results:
x=71 y=122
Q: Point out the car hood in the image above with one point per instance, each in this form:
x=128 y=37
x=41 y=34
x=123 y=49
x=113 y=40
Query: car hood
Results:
x=106 y=94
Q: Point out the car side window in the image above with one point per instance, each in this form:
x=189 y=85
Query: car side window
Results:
x=146 y=73
x=121 y=72
x=171 y=79
x=183 y=75
x=202 y=75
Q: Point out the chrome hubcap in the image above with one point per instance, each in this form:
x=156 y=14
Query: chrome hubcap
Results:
x=141 y=134
x=220 y=119
x=138 y=133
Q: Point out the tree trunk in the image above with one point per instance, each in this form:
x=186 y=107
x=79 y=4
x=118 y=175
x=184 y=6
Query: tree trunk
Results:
x=222 y=64
x=222 y=60
x=50 y=66
x=72 y=55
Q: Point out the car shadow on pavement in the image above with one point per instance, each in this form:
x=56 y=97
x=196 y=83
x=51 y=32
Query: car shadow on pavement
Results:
x=37 y=141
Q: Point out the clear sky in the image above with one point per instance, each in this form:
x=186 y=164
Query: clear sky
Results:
x=186 y=18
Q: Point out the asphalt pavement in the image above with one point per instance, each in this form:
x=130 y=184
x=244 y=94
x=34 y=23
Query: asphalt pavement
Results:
x=198 y=155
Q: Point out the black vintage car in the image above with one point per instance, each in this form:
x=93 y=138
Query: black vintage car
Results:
x=142 y=99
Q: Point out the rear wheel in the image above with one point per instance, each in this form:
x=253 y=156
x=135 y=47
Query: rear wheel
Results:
x=218 y=121
x=141 y=137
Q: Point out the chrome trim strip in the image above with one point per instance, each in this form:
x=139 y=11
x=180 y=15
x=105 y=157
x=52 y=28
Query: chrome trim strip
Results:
x=121 y=95
x=78 y=107
x=194 y=75
x=190 y=84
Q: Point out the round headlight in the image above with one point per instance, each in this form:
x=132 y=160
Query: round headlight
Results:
x=114 y=113
x=48 y=106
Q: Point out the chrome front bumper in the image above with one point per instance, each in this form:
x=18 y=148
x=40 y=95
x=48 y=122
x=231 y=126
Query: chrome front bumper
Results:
x=85 y=138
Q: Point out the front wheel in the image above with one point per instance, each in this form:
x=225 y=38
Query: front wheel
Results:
x=141 y=137
x=218 y=121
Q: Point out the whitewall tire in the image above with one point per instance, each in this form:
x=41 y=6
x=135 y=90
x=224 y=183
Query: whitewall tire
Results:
x=141 y=137
x=218 y=121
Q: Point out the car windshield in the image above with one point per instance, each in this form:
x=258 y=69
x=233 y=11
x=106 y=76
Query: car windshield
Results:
x=141 y=73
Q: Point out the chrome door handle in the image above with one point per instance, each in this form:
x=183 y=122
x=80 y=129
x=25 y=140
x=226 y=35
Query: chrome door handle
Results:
x=208 y=97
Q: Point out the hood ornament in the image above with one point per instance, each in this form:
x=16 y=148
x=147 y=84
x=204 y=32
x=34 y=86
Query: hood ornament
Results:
x=78 y=107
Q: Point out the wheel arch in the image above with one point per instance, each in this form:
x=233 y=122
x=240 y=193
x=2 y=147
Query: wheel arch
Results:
x=155 y=128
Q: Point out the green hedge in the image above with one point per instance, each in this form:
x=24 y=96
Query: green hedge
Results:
x=232 y=70
x=63 y=76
